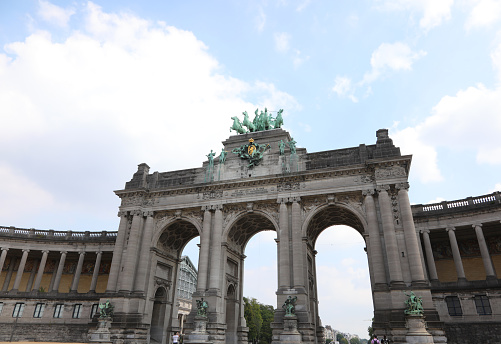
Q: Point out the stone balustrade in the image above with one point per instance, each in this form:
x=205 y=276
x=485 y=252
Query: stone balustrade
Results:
x=457 y=205
x=103 y=236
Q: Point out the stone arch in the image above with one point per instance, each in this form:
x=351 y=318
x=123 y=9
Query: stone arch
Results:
x=327 y=215
x=245 y=225
x=175 y=234
x=157 y=333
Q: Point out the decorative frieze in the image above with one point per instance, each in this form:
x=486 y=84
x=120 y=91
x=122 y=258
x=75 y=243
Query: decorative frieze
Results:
x=390 y=172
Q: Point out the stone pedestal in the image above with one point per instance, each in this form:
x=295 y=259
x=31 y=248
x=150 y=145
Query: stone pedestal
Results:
x=102 y=334
x=290 y=335
x=416 y=330
x=200 y=334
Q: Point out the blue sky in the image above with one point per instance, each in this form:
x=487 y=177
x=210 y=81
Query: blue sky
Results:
x=88 y=90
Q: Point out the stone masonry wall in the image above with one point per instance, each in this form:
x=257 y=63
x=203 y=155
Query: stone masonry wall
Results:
x=484 y=333
x=69 y=333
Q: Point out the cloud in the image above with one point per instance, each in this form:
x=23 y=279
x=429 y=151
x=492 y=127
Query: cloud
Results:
x=84 y=111
x=432 y=12
x=303 y=5
x=396 y=56
x=298 y=60
x=260 y=20
x=497 y=187
x=484 y=13
x=282 y=40
x=53 y=14
x=344 y=88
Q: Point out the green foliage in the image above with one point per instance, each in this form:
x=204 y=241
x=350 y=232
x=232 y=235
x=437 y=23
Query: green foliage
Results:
x=339 y=336
x=371 y=330
x=344 y=341
x=328 y=340
x=355 y=340
x=259 y=318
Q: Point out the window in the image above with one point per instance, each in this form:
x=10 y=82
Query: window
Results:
x=58 y=310
x=94 y=309
x=77 y=311
x=453 y=305
x=18 y=310
x=1 y=307
x=482 y=304
x=39 y=308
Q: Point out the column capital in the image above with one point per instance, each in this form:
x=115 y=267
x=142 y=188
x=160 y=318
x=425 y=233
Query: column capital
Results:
x=122 y=214
x=63 y=252
x=148 y=213
x=45 y=251
x=282 y=200
x=136 y=212
x=402 y=186
x=381 y=188
x=26 y=250
x=368 y=192
x=476 y=225
x=205 y=208
x=99 y=252
x=450 y=228
x=5 y=249
x=427 y=231
x=82 y=253
x=296 y=199
x=217 y=207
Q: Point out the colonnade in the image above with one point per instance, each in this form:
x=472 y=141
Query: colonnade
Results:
x=35 y=278
x=456 y=255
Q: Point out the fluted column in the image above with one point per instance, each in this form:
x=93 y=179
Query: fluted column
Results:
x=20 y=270
x=484 y=251
x=144 y=257
x=127 y=278
x=76 y=278
x=203 y=257
x=95 y=273
x=8 y=277
x=429 y=256
x=3 y=257
x=375 y=249
x=455 y=253
x=284 y=249
x=117 y=253
x=390 y=238
x=59 y=272
x=410 y=234
x=297 y=244
x=41 y=268
x=215 y=262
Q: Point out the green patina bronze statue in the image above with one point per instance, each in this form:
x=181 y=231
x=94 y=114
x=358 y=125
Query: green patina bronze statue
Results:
x=289 y=306
x=202 y=306
x=292 y=146
x=211 y=158
x=414 y=304
x=222 y=156
x=252 y=151
x=262 y=121
x=281 y=147
x=105 y=310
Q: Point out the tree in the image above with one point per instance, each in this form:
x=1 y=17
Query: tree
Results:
x=252 y=315
x=344 y=341
x=355 y=340
x=339 y=336
x=267 y=314
x=328 y=340
x=371 y=330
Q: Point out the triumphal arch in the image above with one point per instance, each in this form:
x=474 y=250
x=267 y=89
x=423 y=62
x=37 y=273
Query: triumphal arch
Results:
x=262 y=181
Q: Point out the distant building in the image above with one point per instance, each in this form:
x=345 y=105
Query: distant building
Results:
x=187 y=285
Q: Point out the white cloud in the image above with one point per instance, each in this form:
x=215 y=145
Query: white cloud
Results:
x=282 y=40
x=298 y=60
x=484 y=13
x=303 y=5
x=436 y=200
x=344 y=88
x=260 y=20
x=396 y=56
x=497 y=187
x=54 y=14
x=121 y=89
x=432 y=12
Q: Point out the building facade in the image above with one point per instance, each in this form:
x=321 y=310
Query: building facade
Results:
x=448 y=254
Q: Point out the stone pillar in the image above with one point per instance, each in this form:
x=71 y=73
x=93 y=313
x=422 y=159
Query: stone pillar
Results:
x=127 y=277
x=76 y=278
x=59 y=272
x=2 y=257
x=484 y=251
x=117 y=253
x=215 y=261
x=455 y=254
x=390 y=236
x=20 y=270
x=429 y=256
x=41 y=268
x=144 y=257
x=8 y=277
x=284 y=249
x=297 y=245
x=375 y=249
x=203 y=257
x=410 y=234
x=95 y=273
